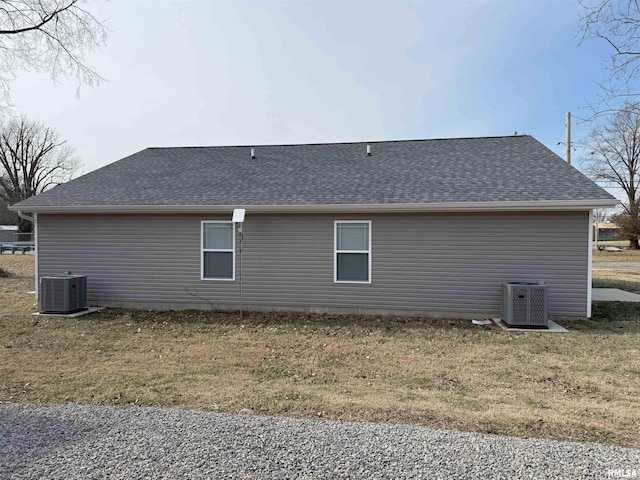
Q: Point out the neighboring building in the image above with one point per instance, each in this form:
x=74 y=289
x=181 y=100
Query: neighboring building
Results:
x=7 y=233
x=426 y=227
x=607 y=231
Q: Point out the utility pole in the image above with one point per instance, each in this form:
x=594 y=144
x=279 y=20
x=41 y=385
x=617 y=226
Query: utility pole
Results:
x=568 y=140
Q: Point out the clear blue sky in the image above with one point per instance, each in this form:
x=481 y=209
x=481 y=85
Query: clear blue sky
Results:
x=244 y=73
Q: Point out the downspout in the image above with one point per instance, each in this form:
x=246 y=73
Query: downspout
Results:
x=35 y=244
x=25 y=217
x=590 y=265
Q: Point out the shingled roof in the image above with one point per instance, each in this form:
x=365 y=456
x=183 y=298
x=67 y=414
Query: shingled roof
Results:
x=412 y=174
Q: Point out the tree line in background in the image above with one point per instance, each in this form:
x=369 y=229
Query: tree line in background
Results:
x=613 y=157
x=53 y=36
x=32 y=159
x=613 y=145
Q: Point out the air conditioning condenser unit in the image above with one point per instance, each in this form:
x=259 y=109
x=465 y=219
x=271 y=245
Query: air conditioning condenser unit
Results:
x=525 y=304
x=63 y=294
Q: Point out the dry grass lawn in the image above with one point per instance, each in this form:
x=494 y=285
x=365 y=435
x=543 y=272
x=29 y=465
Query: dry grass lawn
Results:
x=441 y=373
x=622 y=279
x=625 y=256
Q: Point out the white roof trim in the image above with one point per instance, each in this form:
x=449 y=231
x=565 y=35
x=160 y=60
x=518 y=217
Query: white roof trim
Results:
x=342 y=208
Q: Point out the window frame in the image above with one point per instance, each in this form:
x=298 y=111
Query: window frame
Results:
x=336 y=252
x=232 y=250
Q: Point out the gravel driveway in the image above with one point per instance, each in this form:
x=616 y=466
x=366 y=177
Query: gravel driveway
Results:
x=72 y=441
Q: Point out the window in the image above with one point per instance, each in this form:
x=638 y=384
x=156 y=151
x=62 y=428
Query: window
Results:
x=353 y=251
x=218 y=251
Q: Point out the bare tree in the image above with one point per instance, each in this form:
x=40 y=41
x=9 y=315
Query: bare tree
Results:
x=32 y=159
x=616 y=22
x=47 y=35
x=615 y=159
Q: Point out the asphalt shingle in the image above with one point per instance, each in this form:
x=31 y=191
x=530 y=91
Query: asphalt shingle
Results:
x=487 y=169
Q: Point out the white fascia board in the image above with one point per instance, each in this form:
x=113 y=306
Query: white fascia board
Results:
x=541 y=205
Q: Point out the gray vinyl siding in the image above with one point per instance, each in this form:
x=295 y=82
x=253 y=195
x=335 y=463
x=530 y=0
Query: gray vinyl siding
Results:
x=426 y=264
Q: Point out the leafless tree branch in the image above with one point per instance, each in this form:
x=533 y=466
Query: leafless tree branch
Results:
x=615 y=157
x=616 y=22
x=32 y=159
x=55 y=36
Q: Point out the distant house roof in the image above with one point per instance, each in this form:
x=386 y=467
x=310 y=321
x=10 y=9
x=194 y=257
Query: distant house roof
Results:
x=607 y=225
x=444 y=174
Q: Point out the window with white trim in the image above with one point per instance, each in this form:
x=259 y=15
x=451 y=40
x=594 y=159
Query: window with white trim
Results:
x=218 y=251
x=352 y=257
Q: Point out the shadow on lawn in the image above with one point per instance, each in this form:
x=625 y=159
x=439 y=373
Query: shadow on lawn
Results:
x=609 y=317
x=27 y=435
x=286 y=320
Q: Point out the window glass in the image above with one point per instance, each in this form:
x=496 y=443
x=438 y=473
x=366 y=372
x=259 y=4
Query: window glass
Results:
x=218 y=250
x=352 y=252
x=218 y=236
x=353 y=236
x=218 y=265
x=353 y=267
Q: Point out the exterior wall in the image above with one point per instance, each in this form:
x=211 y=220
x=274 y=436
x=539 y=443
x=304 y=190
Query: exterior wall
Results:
x=607 y=234
x=7 y=235
x=425 y=264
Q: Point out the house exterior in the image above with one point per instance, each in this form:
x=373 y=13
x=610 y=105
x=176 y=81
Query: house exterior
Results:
x=607 y=231
x=425 y=227
x=7 y=233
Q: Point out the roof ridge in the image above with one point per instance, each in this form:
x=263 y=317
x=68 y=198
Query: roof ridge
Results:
x=344 y=143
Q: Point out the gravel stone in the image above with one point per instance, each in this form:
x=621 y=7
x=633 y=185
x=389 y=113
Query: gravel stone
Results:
x=88 y=442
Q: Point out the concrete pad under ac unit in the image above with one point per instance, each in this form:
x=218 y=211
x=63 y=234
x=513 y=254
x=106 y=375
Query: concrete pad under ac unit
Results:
x=553 y=327
x=69 y=315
